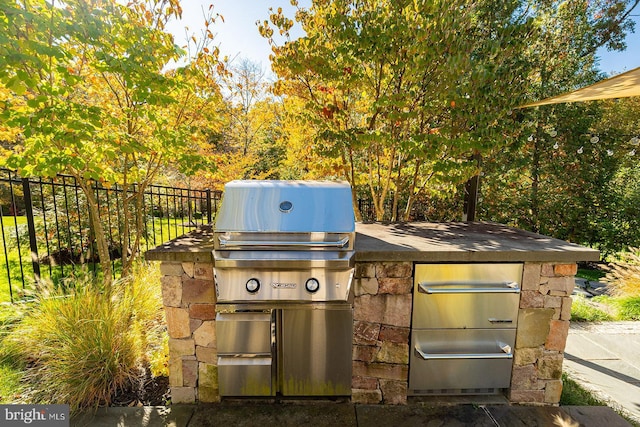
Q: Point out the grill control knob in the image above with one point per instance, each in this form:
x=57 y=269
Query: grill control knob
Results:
x=312 y=285
x=253 y=285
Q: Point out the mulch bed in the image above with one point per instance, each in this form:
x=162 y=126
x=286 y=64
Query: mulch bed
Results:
x=147 y=391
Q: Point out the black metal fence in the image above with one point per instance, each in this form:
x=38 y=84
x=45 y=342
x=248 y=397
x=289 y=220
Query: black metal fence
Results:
x=46 y=233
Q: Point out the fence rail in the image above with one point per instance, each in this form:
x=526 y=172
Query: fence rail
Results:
x=46 y=233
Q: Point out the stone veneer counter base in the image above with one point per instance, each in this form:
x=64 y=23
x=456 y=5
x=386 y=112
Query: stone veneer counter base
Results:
x=383 y=283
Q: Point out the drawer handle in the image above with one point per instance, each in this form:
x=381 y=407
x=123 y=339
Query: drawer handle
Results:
x=485 y=288
x=244 y=361
x=493 y=320
x=507 y=354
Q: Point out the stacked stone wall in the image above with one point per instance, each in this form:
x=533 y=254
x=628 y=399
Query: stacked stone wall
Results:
x=543 y=326
x=189 y=297
x=382 y=318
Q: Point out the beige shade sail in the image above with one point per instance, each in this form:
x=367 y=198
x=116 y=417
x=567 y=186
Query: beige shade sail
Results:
x=621 y=86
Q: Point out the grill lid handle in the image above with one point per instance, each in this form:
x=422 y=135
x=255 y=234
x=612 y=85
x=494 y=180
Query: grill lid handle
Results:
x=224 y=242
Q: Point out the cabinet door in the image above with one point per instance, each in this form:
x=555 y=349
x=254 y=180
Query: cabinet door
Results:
x=316 y=352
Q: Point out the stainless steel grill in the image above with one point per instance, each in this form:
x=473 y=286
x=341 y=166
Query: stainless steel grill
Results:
x=284 y=259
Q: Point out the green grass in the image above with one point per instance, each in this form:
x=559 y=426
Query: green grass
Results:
x=620 y=304
x=627 y=308
x=574 y=395
x=11 y=387
x=8 y=221
x=11 y=370
x=590 y=274
x=604 y=308
x=584 y=310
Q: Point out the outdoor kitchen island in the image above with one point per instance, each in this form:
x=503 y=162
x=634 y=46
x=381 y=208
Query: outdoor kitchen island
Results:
x=386 y=259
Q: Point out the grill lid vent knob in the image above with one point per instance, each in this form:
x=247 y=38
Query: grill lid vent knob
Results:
x=253 y=285
x=286 y=206
x=312 y=285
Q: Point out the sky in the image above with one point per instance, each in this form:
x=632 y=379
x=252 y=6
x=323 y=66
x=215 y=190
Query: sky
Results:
x=618 y=62
x=238 y=35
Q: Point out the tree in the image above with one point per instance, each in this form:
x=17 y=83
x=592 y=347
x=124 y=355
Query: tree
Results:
x=401 y=94
x=100 y=103
x=246 y=87
x=558 y=175
x=249 y=145
x=563 y=58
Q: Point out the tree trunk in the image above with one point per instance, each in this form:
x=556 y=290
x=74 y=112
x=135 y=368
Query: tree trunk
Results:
x=100 y=235
x=139 y=206
x=411 y=193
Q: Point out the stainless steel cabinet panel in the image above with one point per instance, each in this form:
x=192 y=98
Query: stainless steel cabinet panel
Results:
x=245 y=376
x=463 y=327
x=465 y=310
x=316 y=352
x=469 y=273
x=244 y=333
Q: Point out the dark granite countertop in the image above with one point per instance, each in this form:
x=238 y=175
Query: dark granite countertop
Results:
x=462 y=242
x=415 y=242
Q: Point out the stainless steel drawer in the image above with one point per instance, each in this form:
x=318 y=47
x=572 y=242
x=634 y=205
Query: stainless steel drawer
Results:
x=466 y=295
x=244 y=333
x=245 y=376
x=460 y=359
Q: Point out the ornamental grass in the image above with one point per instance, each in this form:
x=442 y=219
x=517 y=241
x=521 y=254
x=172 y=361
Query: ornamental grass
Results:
x=623 y=278
x=81 y=346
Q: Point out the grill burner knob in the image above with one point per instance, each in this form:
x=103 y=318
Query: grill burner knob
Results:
x=253 y=285
x=312 y=285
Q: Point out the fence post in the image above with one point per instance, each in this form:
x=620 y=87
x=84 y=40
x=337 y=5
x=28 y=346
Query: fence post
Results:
x=209 y=217
x=33 y=243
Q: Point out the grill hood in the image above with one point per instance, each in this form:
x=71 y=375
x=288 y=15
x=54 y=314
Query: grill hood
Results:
x=285 y=215
x=286 y=207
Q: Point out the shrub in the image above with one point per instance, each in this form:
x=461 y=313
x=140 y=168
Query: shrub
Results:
x=84 y=346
